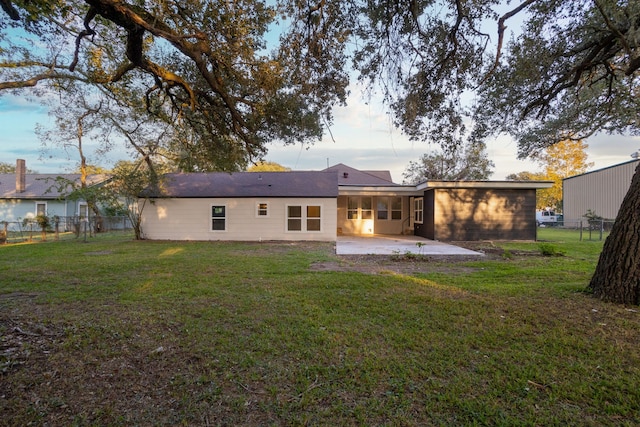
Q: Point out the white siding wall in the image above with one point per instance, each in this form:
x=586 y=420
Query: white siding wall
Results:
x=190 y=219
x=601 y=191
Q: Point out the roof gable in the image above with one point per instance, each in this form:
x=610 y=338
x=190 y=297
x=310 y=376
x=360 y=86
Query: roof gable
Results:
x=247 y=184
x=351 y=176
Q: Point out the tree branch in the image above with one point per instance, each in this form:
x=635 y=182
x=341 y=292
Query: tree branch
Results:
x=501 y=29
x=10 y=10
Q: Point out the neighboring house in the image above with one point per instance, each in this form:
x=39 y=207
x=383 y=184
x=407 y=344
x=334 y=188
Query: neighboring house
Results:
x=25 y=196
x=600 y=191
x=320 y=205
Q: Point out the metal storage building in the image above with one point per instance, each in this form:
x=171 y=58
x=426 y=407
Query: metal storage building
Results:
x=600 y=191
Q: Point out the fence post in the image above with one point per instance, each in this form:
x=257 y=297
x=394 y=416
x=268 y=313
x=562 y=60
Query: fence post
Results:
x=3 y=233
x=601 y=228
x=581 y=230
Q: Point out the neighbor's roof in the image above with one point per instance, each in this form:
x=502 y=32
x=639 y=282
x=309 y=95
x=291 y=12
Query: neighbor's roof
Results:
x=247 y=184
x=40 y=186
x=619 y=165
x=350 y=176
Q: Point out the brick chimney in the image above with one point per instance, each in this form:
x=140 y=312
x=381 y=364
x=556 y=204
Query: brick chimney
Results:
x=21 y=170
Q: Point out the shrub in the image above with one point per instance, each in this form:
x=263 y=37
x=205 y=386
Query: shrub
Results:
x=548 y=249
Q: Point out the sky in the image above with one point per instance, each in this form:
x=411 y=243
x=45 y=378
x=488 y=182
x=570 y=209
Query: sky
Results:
x=362 y=137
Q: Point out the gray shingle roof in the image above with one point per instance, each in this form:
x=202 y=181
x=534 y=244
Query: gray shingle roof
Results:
x=248 y=184
x=39 y=186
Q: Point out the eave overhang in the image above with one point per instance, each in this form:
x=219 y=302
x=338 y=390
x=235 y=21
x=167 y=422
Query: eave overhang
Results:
x=502 y=185
x=418 y=190
x=391 y=190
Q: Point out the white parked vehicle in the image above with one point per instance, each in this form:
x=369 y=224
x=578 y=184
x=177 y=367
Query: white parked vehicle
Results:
x=546 y=217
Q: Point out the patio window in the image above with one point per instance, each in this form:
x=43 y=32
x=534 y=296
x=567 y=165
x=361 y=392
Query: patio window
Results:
x=383 y=208
x=396 y=208
x=218 y=218
x=418 y=208
x=353 y=204
x=359 y=208
x=366 y=208
x=389 y=208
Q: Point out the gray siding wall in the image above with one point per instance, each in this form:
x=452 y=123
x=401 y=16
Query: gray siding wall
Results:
x=17 y=209
x=601 y=191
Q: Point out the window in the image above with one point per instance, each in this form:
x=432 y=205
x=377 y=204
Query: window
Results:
x=83 y=211
x=359 y=208
x=396 y=208
x=418 y=206
x=294 y=218
x=366 y=208
x=218 y=218
x=383 y=208
x=263 y=210
x=309 y=217
x=389 y=208
x=41 y=208
x=313 y=218
x=352 y=207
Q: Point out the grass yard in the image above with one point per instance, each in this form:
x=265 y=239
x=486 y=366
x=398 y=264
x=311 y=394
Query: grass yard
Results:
x=118 y=332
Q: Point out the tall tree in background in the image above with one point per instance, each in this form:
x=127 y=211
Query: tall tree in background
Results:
x=202 y=65
x=11 y=168
x=265 y=166
x=461 y=163
x=561 y=160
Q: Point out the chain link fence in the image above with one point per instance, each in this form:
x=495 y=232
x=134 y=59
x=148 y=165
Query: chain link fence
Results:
x=584 y=229
x=59 y=228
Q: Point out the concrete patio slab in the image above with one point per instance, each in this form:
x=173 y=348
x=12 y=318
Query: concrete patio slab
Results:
x=396 y=245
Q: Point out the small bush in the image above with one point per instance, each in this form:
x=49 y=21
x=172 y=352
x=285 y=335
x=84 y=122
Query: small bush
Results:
x=547 y=249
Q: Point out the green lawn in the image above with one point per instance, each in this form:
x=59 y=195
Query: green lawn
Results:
x=119 y=332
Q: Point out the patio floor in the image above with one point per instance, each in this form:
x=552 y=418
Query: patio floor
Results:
x=394 y=245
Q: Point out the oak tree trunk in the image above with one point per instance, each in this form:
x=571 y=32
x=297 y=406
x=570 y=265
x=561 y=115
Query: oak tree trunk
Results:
x=617 y=275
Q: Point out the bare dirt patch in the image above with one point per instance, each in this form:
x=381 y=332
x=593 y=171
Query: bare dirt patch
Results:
x=382 y=264
x=415 y=264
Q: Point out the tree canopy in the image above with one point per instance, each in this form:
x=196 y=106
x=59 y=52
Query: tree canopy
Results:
x=203 y=67
x=264 y=166
x=561 y=160
x=464 y=163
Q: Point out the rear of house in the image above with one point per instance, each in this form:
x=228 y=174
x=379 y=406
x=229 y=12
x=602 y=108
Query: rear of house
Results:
x=337 y=201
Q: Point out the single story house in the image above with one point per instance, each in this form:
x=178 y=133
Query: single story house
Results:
x=25 y=196
x=320 y=205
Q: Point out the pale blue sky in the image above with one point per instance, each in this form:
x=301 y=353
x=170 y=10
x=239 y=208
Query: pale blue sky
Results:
x=364 y=139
